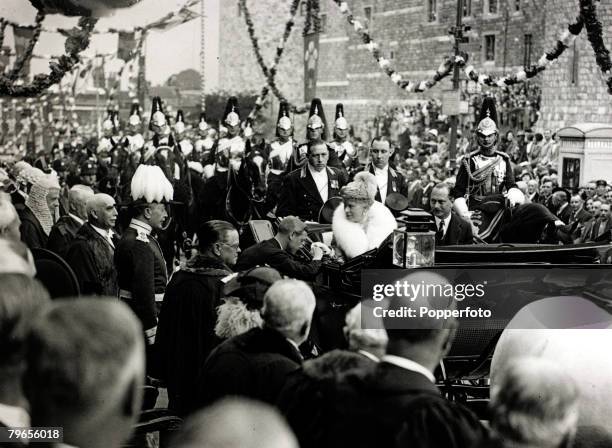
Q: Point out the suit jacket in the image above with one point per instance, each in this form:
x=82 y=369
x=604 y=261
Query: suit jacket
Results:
x=396 y=182
x=254 y=364
x=300 y=196
x=598 y=230
x=269 y=252
x=459 y=232
x=392 y=407
x=91 y=258
x=62 y=234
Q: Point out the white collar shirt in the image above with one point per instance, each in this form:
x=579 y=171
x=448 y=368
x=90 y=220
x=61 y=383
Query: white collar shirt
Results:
x=382 y=178
x=408 y=364
x=320 y=179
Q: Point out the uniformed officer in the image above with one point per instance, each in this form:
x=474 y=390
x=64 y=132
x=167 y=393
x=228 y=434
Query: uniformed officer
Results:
x=305 y=190
x=345 y=150
x=483 y=177
x=141 y=269
x=184 y=142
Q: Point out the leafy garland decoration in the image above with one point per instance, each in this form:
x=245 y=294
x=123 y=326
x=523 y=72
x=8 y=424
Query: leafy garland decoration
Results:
x=594 y=33
x=270 y=72
x=445 y=68
x=564 y=41
x=27 y=53
x=76 y=42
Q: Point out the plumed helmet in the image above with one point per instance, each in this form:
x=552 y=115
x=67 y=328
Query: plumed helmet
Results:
x=135 y=119
x=158 y=118
x=231 y=116
x=179 y=126
x=203 y=125
x=340 y=122
x=150 y=184
x=284 y=121
x=317 y=117
x=487 y=132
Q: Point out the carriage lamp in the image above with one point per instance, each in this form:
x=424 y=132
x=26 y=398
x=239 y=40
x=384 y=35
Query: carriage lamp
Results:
x=413 y=249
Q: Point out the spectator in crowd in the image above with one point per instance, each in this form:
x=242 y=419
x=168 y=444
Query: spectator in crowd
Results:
x=546 y=189
x=91 y=253
x=37 y=215
x=9 y=219
x=537 y=150
x=451 y=229
x=397 y=403
x=560 y=204
x=533 y=195
x=185 y=332
x=534 y=402
x=255 y=364
x=21 y=298
x=600 y=190
x=280 y=252
x=236 y=423
x=65 y=229
x=590 y=190
x=242 y=301
x=85 y=371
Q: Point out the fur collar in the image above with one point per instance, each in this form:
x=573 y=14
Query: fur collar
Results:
x=354 y=239
x=201 y=264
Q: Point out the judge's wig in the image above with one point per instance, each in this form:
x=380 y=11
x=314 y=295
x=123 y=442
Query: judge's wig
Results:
x=362 y=189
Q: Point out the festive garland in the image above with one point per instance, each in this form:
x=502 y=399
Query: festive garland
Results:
x=594 y=34
x=445 y=68
x=27 y=52
x=270 y=72
x=76 y=43
x=545 y=60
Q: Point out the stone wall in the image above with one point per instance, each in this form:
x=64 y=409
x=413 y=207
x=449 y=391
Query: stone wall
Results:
x=573 y=90
x=347 y=71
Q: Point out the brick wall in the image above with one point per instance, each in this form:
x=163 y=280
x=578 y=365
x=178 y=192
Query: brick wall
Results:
x=581 y=96
x=349 y=73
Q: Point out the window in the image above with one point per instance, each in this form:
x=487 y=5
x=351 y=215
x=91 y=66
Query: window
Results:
x=527 y=52
x=323 y=18
x=467 y=8
x=432 y=10
x=517 y=5
x=367 y=12
x=490 y=6
x=489 y=47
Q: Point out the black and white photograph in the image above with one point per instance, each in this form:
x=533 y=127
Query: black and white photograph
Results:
x=305 y=223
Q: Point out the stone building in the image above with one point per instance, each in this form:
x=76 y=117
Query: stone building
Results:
x=573 y=89
x=505 y=35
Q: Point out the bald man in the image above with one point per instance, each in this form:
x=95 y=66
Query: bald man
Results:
x=65 y=229
x=91 y=254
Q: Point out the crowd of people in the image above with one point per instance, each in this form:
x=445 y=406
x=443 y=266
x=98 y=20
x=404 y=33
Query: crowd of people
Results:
x=178 y=291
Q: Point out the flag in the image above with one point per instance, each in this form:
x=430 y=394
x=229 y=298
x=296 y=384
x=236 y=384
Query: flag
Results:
x=311 y=65
x=126 y=45
x=174 y=19
x=23 y=35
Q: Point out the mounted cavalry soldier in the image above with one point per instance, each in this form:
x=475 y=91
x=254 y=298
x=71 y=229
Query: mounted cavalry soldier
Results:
x=134 y=141
x=280 y=153
x=203 y=146
x=161 y=149
x=344 y=148
x=141 y=268
x=110 y=128
x=184 y=143
x=484 y=177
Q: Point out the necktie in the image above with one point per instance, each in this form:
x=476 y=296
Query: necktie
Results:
x=440 y=232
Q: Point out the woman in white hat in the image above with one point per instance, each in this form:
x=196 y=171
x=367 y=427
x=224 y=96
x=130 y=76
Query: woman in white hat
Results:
x=361 y=223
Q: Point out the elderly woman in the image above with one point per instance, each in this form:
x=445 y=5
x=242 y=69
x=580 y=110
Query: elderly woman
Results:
x=361 y=224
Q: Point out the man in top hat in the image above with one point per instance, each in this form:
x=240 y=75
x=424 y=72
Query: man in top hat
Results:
x=316 y=132
x=304 y=191
x=280 y=153
x=389 y=181
x=141 y=268
x=344 y=148
x=184 y=143
x=161 y=149
x=134 y=141
x=484 y=176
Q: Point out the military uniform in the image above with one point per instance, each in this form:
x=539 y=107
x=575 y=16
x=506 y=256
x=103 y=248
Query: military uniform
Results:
x=142 y=274
x=300 y=196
